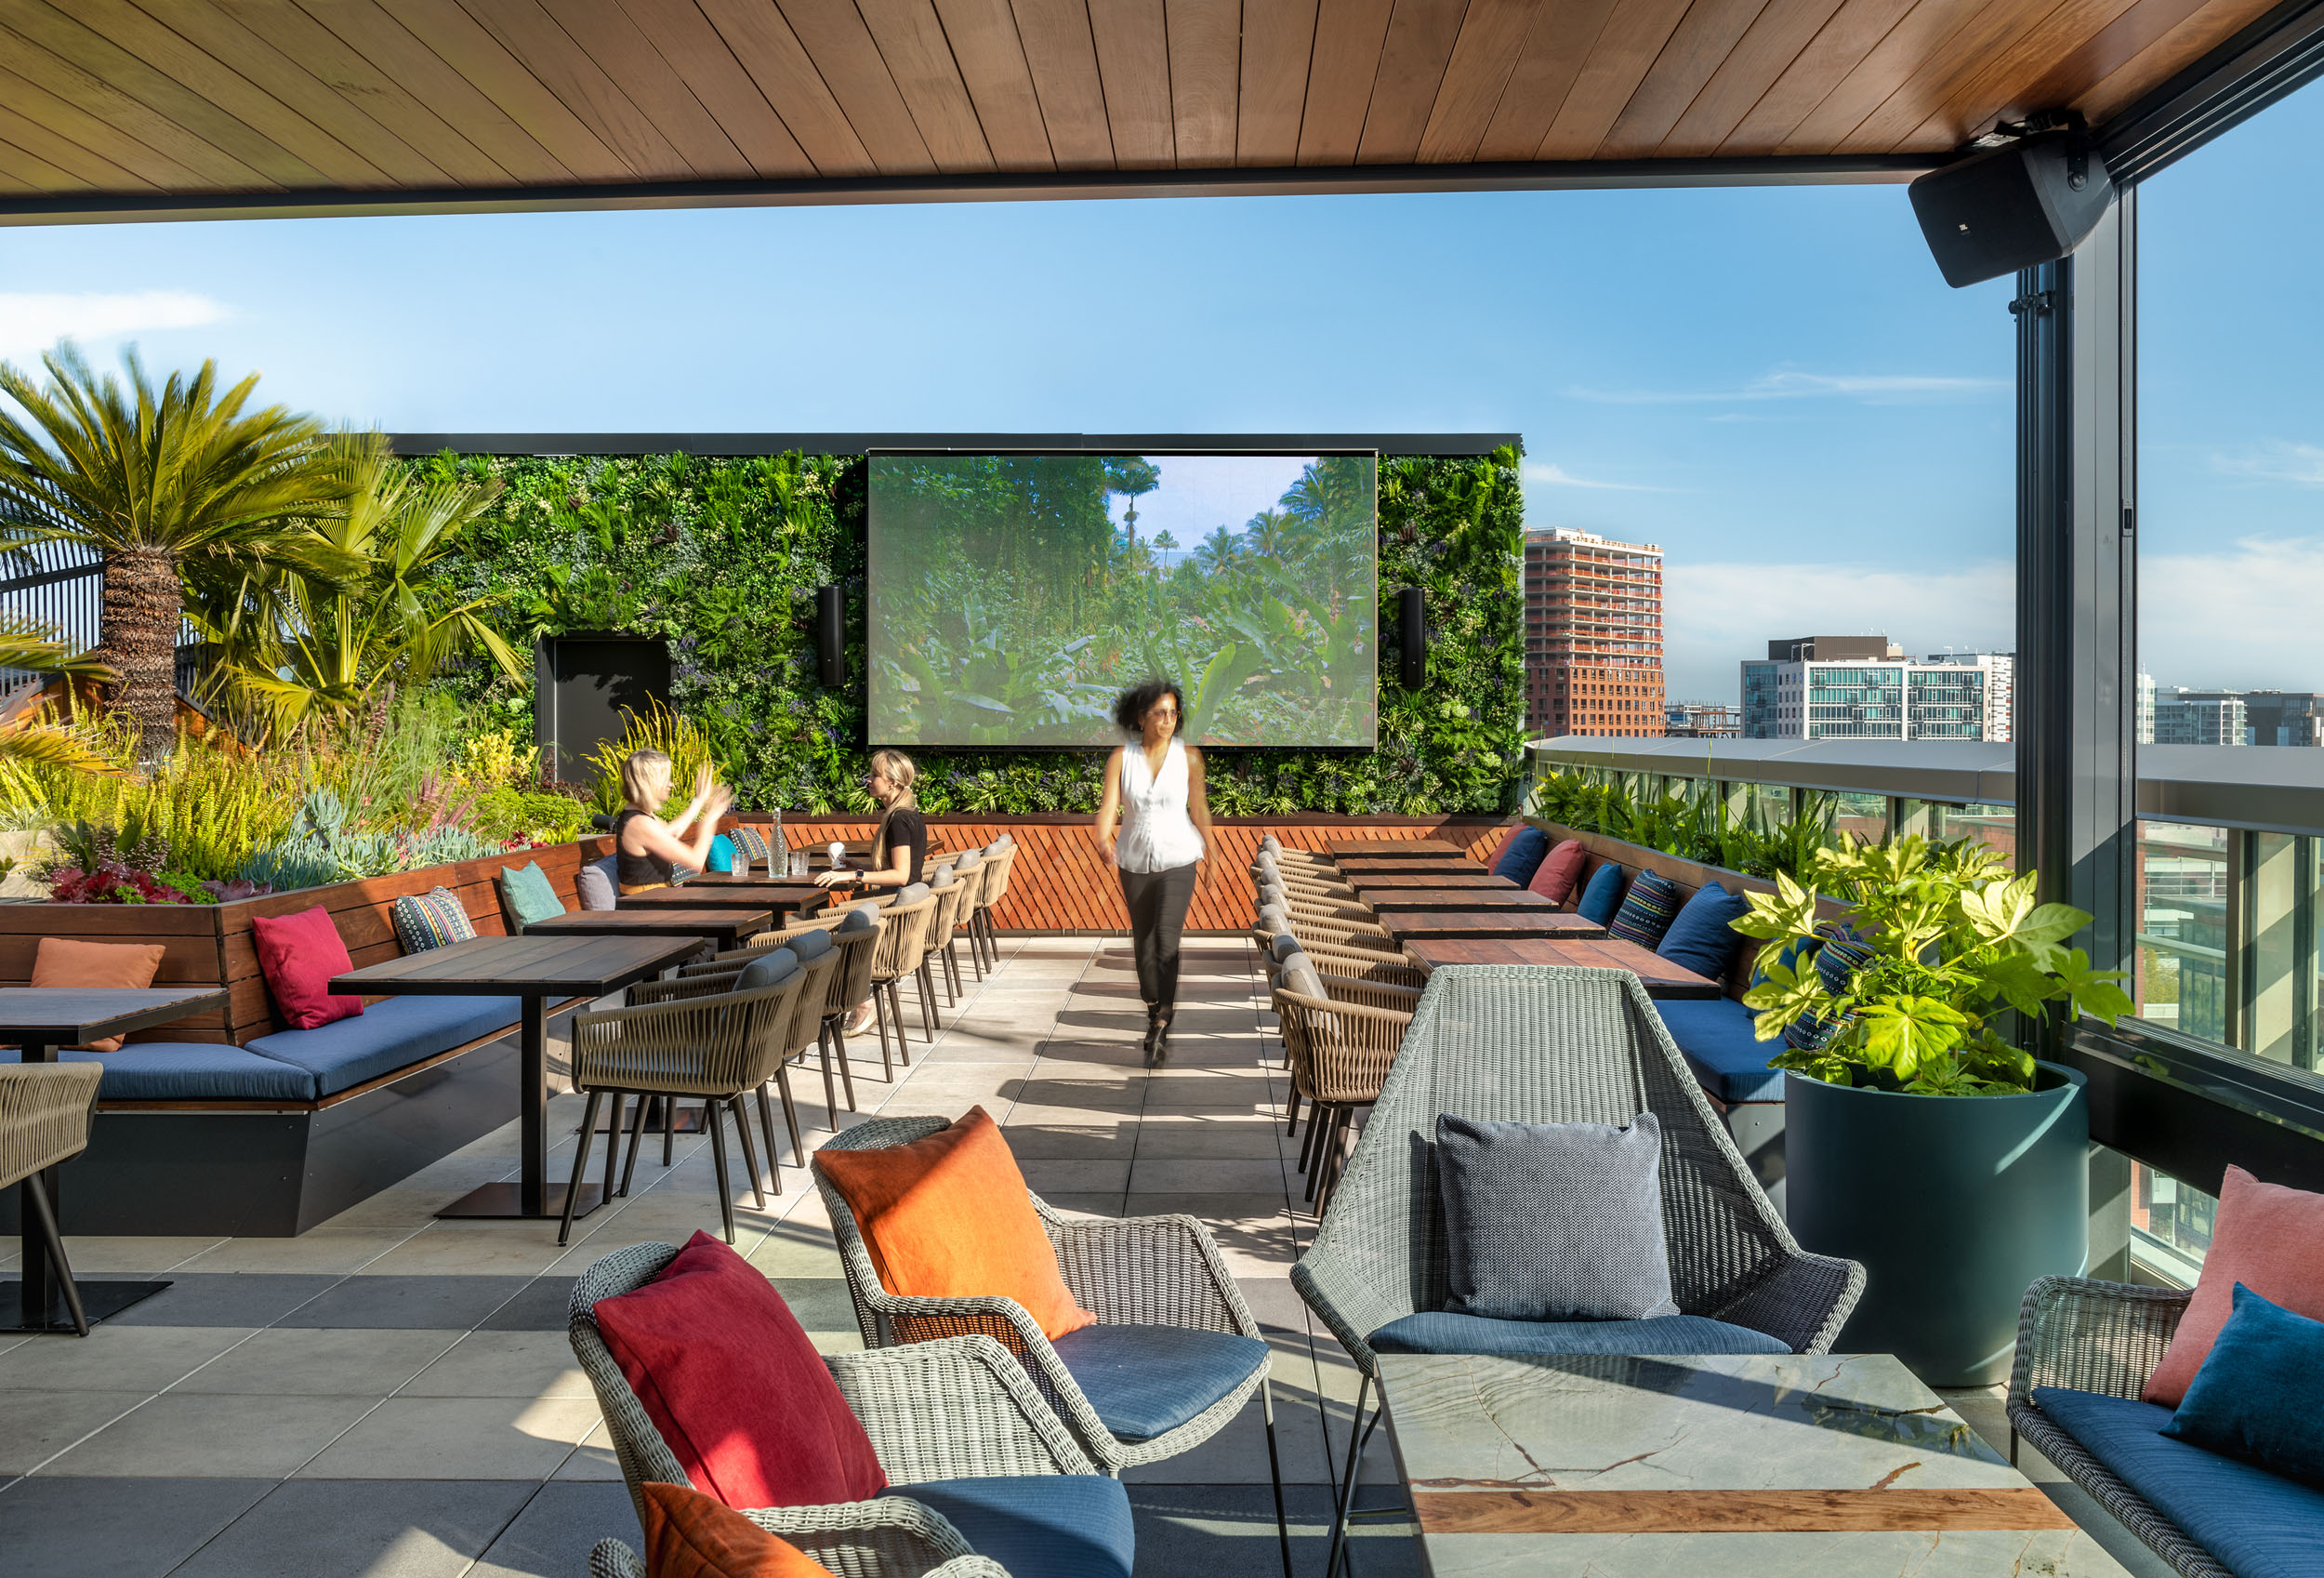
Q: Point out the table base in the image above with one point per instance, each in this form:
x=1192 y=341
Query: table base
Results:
x=99 y=1300
x=504 y=1203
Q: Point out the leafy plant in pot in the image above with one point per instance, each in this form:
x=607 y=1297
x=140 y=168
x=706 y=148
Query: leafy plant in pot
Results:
x=1919 y=1138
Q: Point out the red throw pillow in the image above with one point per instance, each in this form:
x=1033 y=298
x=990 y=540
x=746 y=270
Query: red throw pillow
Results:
x=735 y=1388
x=298 y=954
x=949 y=1217
x=689 y=1535
x=65 y=962
x=2266 y=1237
x=1559 y=870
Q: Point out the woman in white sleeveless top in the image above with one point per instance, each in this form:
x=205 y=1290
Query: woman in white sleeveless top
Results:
x=1154 y=784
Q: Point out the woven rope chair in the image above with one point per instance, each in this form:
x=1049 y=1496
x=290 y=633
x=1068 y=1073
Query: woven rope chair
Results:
x=1551 y=1044
x=2107 y=1337
x=1003 y=859
x=1339 y=1048
x=936 y=952
x=44 y=1113
x=850 y=984
x=718 y=1047
x=902 y=950
x=1339 y=965
x=956 y=1410
x=1300 y=882
x=1126 y=1271
x=975 y=879
x=799 y=1034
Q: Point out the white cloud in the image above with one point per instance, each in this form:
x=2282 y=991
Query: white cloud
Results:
x=1551 y=475
x=2241 y=616
x=2277 y=462
x=1872 y=388
x=31 y=321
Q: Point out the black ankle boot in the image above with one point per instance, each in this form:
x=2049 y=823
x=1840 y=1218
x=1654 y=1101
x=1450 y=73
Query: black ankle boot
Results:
x=1162 y=1032
x=1154 y=1034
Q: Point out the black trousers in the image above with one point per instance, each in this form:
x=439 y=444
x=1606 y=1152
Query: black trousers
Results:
x=1157 y=914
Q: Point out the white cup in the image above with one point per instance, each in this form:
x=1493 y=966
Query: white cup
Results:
x=838 y=856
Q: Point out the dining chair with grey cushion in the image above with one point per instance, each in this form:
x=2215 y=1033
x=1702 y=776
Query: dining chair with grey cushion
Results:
x=1002 y=857
x=902 y=951
x=44 y=1111
x=1541 y=1045
x=955 y=891
x=972 y=870
x=811 y=948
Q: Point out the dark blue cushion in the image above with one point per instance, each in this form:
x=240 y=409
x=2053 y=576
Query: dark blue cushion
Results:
x=190 y=1071
x=1701 y=938
x=1715 y=1035
x=1037 y=1526
x=1523 y=855
x=1146 y=1381
x=1602 y=896
x=2260 y=1391
x=1435 y=1331
x=390 y=1034
x=2255 y=1524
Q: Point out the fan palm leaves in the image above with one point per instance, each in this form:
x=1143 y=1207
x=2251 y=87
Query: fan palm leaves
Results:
x=159 y=482
x=1219 y=551
x=40 y=741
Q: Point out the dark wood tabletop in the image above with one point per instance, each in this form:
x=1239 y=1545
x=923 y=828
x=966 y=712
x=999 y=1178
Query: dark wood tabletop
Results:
x=1660 y=978
x=47 y=1017
x=713 y=892
x=1407 y=925
x=1353 y=866
x=1384 y=882
x=724 y=927
x=1496 y=899
x=1391 y=848
x=586 y=966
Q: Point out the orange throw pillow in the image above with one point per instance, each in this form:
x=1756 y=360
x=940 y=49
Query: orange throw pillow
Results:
x=690 y=1535
x=62 y=961
x=949 y=1217
x=2266 y=1237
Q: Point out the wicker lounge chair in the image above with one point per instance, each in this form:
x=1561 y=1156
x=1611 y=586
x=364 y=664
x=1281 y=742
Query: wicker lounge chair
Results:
x=44 y=1111
x=1541 y=1044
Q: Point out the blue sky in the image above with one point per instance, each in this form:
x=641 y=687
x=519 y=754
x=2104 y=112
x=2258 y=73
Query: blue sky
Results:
x=1774 y=385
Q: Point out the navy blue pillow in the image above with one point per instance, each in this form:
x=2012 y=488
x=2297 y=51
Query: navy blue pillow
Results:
x=1602 y=896
x=1700 y=937
x=1523 y=855
x=2260 y=1391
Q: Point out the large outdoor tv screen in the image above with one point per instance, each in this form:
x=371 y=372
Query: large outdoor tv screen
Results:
x=1014 y=596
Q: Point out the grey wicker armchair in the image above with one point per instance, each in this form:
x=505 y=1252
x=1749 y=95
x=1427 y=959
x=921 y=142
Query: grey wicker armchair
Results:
x=44 y=1113
x=1545 y=1044
x=954 y=1410
x=1140 y=1271
x=2105 y=1337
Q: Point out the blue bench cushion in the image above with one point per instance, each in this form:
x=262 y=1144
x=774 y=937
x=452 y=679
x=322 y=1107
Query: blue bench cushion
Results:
x=1434 y=1331
x=1037 y=1526
x=2255 y=1524
x=1715 y=1034
x=1146 y=1381
x=390 y=1034
x=191 y=1072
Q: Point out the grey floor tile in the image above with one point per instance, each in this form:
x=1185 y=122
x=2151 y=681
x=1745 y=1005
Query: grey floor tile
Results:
x=1162 y=1175
x=36 y=1425
x=115 y=1357
x=504 y=1364
x=242 y=1298
x=820 y=1303
x=335 y=1362
x=540 y=1306
x=375 y=1528
x=1047 y=1177
x=116 y=1528
x=182 y=1434
x=552 y=1537
x=458 y=1438
x=1229 y=1531
x=445 y=1303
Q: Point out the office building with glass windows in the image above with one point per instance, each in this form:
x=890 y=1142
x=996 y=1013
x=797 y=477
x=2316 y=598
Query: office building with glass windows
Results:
x=1593 y=634
x=1864 y=687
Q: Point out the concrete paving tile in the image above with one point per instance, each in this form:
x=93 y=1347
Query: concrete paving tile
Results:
x=450 y=1302
x=1251 y=1137
x=381 y=1528
x=319 y=1251
x=132 y=1256
x=1238 y=1454
x=184 y=1434
x=117 y=1528
x=507 y=1249
x=541 y=1306
x=36 y=1425
x=1074 y=1177
x=594 y=1460
x=1085 y=1204
x=820 y=1303
x=115 y=1357
x=1229 y=1532
x=552 y=1537
x=299 y=1360
x=1057 y=1142
x=1210 y=1174
x=226 y=1299
x=457 y=1438
x=1093 y=1094
x=794 y=1249
x=503 y=1364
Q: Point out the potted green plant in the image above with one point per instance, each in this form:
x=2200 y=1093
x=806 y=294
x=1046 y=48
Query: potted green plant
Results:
x=1920 y=1137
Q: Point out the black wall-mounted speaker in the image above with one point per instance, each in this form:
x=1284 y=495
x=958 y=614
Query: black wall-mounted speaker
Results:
x=2011 y=207
x=1412 y=638
x=586 y=685
x=831 y=636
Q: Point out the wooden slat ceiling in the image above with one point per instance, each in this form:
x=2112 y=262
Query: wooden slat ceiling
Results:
x=110 y=108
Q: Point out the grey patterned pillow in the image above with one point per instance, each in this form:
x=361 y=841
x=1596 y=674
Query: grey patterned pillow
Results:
x=1553 y=1221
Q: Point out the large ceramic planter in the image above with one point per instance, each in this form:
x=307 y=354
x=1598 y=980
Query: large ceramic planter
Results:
x=1953 y=1204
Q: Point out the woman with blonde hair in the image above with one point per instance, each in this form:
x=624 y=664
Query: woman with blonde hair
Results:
x=646 y=848
x=898 y=848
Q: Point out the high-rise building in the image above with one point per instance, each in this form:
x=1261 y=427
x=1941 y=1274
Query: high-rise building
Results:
x=2144 y=701
x=2193 y=717
x=2270 y=716
x=1864 y=687
x=1702 y=719
x=1593 y=634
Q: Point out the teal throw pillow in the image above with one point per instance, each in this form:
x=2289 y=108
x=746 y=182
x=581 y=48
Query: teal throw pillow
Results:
x=2260 y=1391
x=528 y=895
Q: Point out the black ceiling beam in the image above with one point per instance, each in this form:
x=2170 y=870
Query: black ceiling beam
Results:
x=2268 y=61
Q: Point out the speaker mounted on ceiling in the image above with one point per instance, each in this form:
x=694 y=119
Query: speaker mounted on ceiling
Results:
x=2030 y=200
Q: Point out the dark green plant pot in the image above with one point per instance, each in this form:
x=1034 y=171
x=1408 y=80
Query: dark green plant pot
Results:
x=1953 y=1204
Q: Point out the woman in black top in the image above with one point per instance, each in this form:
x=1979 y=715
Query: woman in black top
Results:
x=899 y=849
x=645 y=847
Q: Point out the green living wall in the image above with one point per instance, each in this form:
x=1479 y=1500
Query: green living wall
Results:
x=722 y=556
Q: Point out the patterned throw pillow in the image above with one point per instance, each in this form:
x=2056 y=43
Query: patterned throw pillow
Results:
x=1646 y=911
x=751 y=842
x=431 y=920
x=1841 y=954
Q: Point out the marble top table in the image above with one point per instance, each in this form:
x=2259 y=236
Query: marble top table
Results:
x=1813 y=1465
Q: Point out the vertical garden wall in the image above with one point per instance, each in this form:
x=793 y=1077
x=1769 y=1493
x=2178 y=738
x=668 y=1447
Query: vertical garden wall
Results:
x=722 y=557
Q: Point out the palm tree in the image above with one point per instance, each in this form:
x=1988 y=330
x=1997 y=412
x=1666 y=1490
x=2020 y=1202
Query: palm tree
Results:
x=1268 y=534
x=158 y=482
x=41 y=742
x=1217 y=550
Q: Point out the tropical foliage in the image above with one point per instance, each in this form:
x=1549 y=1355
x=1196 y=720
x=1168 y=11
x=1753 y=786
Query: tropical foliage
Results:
x=1694 y=824
x=38 y=739
x=1957 y=941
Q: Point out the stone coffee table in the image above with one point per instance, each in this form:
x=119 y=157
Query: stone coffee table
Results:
x=1811 y=1466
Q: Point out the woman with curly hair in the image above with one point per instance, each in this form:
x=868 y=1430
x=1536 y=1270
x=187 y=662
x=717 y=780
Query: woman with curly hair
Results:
x=1153 y=784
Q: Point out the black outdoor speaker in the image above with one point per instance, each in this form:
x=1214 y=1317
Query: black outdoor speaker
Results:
x=831 y=636
x=1412 y=637
x=2008 y=208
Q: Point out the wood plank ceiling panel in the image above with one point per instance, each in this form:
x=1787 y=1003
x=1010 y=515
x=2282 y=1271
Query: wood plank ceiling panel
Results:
x=532 y=37
x=1854 y=32
x=79 y=127
x=992 y=61
x=1699 y=45
x=1412 y=60
x=911 y=40
x=1278 y=46
x=836 y=40
x=1134 y=63
x=77 y=166
x=1627 y=47
x=684 y=40
x=2166 y=56
x=771 y=54
x=1920 y=32
x=1556 y=47
x=1775 y=38
x=465 y=45
x=638 y=78
x=26 y=171
x=1951 y=90
x=1206 y=43
x=1062 y=57
x=1349 y=37
x=1982 y=92
x=2072 y=74
x=1484 y=54
x=16 y=185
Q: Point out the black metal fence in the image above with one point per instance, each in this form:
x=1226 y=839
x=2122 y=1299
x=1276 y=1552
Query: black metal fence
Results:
x=61 y=586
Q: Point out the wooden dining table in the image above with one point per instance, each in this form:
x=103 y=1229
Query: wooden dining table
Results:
x=1352 y=866
x=1511 y=899
x=1393 y=849
x=712 y=891
x=1408 y=925
x=1658 y=976
x=1387 y=881
x=723 y=926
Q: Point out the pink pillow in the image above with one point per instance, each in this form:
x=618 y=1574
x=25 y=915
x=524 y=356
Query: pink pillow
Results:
x=736 y=1390
x=1555 y=877
x=2266 y=1237
x=298 y=954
